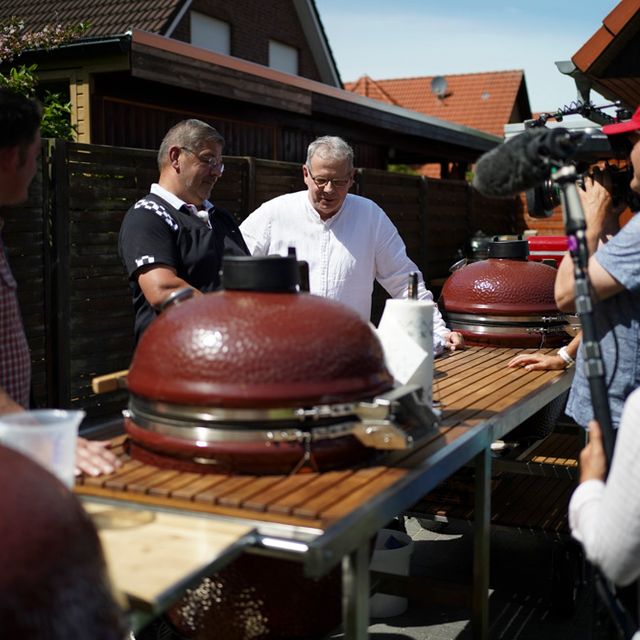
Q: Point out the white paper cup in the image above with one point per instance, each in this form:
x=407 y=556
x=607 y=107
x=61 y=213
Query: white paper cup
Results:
x=48 y=436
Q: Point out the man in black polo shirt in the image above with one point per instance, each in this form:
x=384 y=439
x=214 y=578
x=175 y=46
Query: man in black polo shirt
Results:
x=174 y=237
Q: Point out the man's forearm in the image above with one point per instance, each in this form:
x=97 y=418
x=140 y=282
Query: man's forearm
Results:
x=158 y=283
x=564 y=289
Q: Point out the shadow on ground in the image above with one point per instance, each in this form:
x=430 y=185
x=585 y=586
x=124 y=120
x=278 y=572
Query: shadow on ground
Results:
x=532 y=594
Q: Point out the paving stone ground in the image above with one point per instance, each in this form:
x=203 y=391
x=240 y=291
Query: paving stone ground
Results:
x=522 y=585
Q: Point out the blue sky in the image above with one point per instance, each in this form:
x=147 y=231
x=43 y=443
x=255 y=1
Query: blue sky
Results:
x=405 y=38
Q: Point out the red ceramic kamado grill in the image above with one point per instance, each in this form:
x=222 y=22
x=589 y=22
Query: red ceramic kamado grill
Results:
x=505 y=300
x=508 y=301
x=259 y=378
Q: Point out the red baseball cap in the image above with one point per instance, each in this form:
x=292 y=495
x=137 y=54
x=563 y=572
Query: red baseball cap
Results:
x=623 y=127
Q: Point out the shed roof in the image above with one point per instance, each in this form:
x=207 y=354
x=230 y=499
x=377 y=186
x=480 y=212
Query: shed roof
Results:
x=148 y=56
x=483 y=101
x=274 y=88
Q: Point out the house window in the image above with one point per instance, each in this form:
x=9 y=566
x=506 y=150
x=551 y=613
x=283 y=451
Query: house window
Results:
x=283 y=57
x=209 y=33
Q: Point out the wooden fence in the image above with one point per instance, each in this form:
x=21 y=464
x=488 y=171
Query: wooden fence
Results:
x=73 y=289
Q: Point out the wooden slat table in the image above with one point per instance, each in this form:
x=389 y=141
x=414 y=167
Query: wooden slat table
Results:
x=331 y=515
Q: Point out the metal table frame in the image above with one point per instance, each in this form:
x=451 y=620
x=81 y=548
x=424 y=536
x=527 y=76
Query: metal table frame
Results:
x=345 y=541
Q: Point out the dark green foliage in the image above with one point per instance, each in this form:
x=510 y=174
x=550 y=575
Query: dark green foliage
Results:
x=14 y=40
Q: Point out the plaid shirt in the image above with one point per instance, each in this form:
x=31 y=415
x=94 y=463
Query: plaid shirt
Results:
x=15 y=360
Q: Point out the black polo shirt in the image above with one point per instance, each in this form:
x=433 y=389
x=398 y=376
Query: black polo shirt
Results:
x=155 y=232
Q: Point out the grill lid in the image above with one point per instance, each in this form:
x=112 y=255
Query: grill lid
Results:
x=505 y=300
x=258 y=344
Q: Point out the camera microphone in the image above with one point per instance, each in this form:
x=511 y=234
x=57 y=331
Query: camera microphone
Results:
x=524 y=161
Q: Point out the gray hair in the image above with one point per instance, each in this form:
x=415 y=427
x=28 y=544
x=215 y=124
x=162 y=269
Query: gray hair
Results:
x=330 y=146
x=191 y=133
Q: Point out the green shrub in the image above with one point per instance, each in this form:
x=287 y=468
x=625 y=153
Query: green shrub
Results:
x=14 y=40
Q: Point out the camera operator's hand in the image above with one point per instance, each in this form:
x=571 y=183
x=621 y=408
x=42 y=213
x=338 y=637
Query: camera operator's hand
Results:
x=602 y=222
x=593 y=462
x=597 y=202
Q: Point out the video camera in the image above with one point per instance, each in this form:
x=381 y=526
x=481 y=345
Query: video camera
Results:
x=593 y=146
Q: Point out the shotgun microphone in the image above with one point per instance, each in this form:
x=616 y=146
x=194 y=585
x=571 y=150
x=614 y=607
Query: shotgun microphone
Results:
x=524 y=161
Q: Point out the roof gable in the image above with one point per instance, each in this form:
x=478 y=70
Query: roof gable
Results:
x=484 y=101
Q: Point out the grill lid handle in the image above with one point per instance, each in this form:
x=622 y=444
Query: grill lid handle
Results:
x=274 y=274
x=397 y=419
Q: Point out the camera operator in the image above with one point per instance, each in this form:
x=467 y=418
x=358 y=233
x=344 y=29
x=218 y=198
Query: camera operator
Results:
x=614 y=272
x=605 y=518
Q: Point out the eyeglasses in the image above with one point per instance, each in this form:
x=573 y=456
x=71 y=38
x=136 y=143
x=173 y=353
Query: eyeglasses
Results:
x=214 y=164
x=336 y=183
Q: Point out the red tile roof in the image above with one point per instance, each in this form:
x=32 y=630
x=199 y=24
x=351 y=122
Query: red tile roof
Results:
x=609 y=58
x=484 y=101
x=107 y=17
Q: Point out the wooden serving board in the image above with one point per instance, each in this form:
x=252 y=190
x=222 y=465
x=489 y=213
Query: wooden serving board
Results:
x=153 y=556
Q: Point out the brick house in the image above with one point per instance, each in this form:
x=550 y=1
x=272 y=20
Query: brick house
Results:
x=262 y=73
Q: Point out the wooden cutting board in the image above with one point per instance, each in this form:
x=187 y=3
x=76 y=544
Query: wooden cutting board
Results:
x=153 y=556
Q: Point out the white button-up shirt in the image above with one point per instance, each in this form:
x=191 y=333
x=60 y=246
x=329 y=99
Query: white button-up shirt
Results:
x=346 y=253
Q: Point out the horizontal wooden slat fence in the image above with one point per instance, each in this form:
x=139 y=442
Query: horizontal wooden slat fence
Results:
x=73 y=289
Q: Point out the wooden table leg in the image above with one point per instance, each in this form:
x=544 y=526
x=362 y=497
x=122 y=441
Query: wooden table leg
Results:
x=482 y=511
x=355 y=593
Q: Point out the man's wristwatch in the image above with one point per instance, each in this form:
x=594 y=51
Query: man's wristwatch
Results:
x=564 y=354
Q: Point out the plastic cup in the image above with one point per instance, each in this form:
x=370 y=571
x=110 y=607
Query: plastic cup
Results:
x=48 y=436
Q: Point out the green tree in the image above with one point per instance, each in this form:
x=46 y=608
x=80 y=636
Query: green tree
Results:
x=16 y=39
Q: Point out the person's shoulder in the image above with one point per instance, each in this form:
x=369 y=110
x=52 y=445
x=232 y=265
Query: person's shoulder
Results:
x=628 y=233
x=284 y=198
x=365 y=205
x=280 y=204
x=151 y=208
x=362 y=201
x=633 y=224
x=149 y=202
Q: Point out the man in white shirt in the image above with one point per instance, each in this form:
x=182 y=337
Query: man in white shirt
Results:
x=347 y=240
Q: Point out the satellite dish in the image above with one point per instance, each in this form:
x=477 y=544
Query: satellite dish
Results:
x=439 y=86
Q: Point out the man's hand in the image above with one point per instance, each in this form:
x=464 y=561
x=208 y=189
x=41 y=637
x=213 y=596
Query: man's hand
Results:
x=7 y=405
x=538 y=362
x=94 y=458
x=454 y=341
x=600 y=215
x=593 y=462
